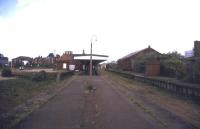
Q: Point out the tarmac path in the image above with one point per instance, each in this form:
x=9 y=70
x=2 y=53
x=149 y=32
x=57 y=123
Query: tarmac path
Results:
x=77 y=108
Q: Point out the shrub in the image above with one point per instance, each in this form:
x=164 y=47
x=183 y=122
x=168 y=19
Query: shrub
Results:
x=6 y=72
x=41 y=76
x=65 y=74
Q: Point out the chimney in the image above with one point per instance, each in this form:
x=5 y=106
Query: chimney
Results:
x=197 y=48
x=83 y=52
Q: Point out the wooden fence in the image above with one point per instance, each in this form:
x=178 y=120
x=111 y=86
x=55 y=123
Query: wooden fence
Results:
x=178 y=88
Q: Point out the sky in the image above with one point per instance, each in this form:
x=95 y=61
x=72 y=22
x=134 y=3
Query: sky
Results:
x=39 y=27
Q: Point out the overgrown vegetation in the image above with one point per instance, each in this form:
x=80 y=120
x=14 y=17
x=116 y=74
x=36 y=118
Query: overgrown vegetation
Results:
x=89 y=87
x=25 y=86
x=16 y=90
x=189 y=110
x=172 y=65
x=6 y=72
x=175 y=65
x=63 y=75
x=41 y=76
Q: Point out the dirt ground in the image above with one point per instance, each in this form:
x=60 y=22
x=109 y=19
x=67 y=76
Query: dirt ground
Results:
x=103 y=103
x=35 y=70
x=6 y=78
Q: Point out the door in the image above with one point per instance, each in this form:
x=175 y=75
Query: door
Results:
x=64 y=65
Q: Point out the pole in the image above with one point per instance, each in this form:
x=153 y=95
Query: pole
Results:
x=91 y=60
x=91 y=68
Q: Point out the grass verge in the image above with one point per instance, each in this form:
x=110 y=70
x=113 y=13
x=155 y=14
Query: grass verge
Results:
x=186 y=109
x=22 y=96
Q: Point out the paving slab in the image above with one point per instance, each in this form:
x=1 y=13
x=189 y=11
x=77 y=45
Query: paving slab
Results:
x=76 y=108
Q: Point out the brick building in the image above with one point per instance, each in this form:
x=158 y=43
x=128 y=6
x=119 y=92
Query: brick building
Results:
x=65 y=60
x=152 y=68
x=127 y=62
x=80 y=62
x=46 y=62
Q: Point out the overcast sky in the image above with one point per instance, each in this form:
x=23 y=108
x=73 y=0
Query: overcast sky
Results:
x=121 y=26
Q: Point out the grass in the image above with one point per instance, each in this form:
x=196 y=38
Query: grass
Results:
x=16 y=91
x=88 y=87
x=20 y=97
x=185 y=108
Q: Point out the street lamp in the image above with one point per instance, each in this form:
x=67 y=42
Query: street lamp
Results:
x=94 y=36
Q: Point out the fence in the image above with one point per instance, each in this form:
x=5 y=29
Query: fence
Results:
x=178 y=88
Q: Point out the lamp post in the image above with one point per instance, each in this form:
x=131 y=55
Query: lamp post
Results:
x=94 y=36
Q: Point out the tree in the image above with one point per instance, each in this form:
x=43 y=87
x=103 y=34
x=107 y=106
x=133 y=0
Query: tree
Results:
x=172 y=65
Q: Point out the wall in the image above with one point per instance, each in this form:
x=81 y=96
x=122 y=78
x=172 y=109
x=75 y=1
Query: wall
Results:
x=128 y=63
x=152 y=69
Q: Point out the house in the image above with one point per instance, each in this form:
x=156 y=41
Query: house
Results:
x=127 y=62
x=51 y=58
x=46 y=62
x=3 y=61
x=65 y=60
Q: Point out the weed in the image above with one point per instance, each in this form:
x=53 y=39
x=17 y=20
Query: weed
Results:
x=6 y=72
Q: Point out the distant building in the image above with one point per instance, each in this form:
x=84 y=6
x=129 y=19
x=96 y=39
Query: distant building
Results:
x=192 y=65
x=80 y=62
x=195 y=52
x=127 y=62
x=45 y=62
x=197 y=48
x=189 y=54
x=51 y=58
x=38 y=61
x=65 y=60
x=3 y=61
x=20 y=61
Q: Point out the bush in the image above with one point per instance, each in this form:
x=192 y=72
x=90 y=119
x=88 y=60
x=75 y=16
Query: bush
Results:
x=172 y=65
x=41 y=76
x=65 y=74
x=6 y=72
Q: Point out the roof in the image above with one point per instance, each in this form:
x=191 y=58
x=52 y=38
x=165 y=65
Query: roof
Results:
x=97 y=55
x=65 y=57
x=136 y=52
x=87 y=61
x=23 y=58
